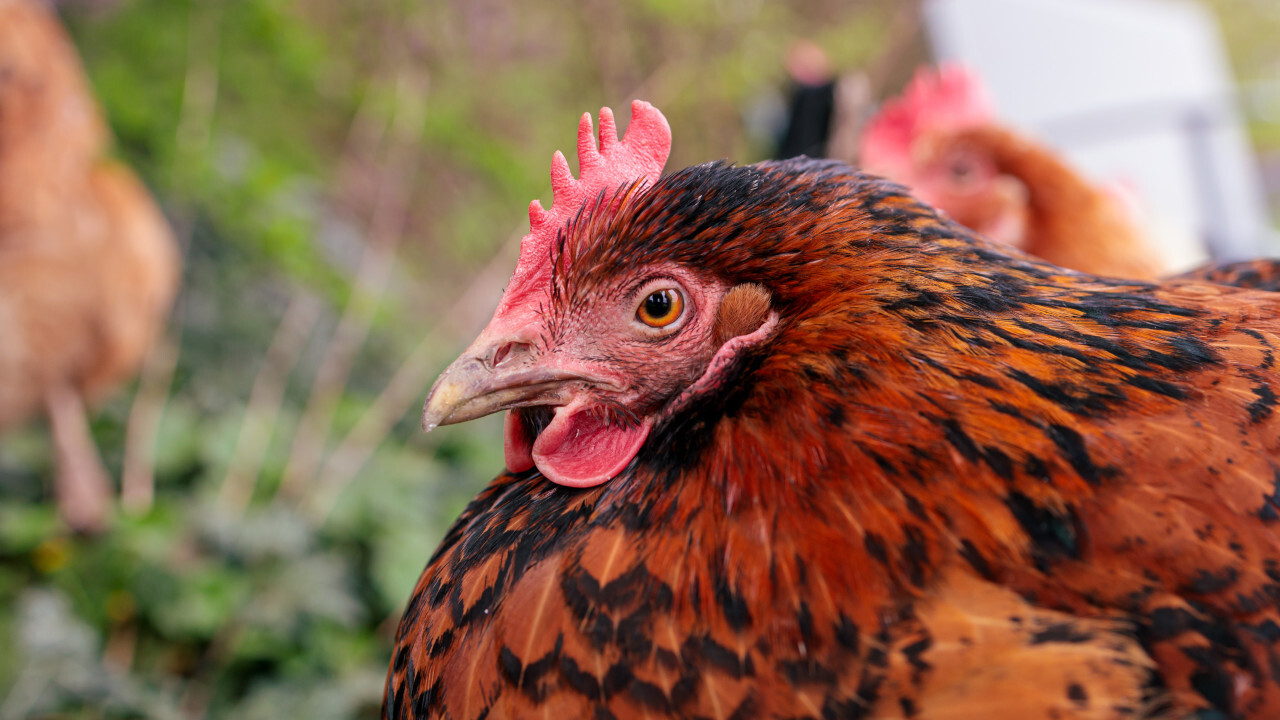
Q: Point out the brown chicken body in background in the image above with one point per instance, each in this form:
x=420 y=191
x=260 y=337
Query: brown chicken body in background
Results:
x=945 y=480
x=941 y=139
x=88 y=265
x=1060 y=216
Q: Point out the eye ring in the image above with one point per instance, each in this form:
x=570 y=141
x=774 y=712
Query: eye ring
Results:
x=963 y=170
x=661 y=308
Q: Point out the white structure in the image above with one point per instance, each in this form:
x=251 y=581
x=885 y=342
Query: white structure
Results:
x=1133 y=91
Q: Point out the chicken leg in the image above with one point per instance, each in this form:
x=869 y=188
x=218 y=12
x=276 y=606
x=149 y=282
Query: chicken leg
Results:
x=80 y=481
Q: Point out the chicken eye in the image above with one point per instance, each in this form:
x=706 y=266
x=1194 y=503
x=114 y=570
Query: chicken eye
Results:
x=963 y=171
x=661 y=308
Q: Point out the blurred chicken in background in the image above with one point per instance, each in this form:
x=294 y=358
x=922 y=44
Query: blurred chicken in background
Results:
x=88 y=265
x=941 y=139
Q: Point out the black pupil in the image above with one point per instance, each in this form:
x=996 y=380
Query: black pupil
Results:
x=658 y=304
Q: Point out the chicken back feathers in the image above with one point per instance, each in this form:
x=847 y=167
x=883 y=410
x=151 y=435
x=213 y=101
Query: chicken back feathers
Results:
x=952 y=481
x=1261 y=274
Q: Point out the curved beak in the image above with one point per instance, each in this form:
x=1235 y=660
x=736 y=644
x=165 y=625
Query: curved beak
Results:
x=496 y=375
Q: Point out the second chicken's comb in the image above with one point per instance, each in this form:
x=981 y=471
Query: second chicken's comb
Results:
x=950 y=96
x=636 y=159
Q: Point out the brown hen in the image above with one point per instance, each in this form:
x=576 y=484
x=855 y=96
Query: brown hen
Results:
x=88 y=265
x=942 y=140
x=784 y=442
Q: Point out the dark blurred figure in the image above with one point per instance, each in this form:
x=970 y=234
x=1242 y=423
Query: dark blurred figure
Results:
x=811 y=101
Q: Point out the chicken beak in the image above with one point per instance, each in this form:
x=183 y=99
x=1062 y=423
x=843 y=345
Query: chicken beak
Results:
x=496 y=375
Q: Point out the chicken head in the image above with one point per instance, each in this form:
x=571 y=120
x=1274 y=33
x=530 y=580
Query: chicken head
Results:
x=585 y=362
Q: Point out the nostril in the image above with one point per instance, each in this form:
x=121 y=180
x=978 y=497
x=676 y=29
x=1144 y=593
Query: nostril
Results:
x=505 y=351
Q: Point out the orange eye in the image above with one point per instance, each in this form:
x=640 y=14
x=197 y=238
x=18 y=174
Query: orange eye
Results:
x=661 y=308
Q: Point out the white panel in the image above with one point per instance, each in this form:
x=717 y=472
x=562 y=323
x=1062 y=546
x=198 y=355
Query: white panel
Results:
x=1131 y=90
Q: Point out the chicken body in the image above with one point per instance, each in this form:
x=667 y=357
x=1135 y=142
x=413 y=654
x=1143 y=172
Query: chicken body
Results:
x=943 y=480
x=942 y=140
x=88 y=265
x=1261 y=274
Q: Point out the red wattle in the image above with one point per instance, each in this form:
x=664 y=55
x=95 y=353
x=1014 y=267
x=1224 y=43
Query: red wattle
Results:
x=578 y=449
x=516 y=446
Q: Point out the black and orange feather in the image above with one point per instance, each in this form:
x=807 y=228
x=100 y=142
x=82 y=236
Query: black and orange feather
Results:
x=955 y=482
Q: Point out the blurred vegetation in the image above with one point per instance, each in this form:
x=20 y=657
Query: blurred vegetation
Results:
x=347 y=180
x=1251 y=28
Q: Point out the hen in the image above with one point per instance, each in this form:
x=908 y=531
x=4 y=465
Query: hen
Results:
x=88 y=266
x=941 y=139
x=1263 y=274
x=783 y=441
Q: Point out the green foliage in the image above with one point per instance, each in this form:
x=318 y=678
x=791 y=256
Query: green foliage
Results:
x=1251 y=28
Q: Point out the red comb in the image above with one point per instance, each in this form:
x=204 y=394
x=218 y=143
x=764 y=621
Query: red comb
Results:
x=952 y=97
x=638 y=159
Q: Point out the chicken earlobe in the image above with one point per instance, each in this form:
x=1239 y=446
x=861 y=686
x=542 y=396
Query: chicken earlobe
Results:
x=715 y=373
x=743 y=310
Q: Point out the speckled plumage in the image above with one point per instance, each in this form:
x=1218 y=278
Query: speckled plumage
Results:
x=956 y=482
x=1262 y=274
